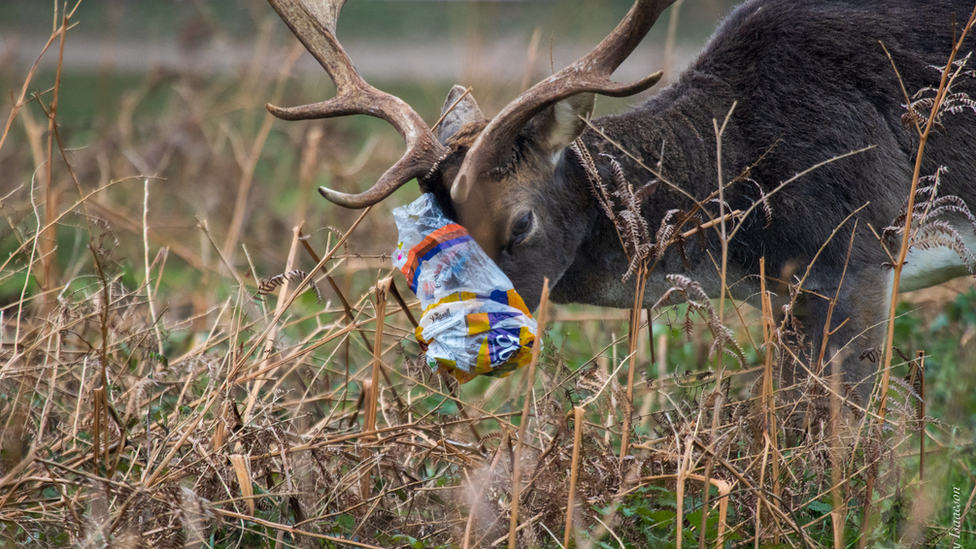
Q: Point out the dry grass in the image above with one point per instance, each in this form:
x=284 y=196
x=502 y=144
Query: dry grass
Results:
x=160 y=387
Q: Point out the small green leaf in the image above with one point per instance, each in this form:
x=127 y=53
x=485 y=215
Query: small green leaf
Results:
x=820 y=507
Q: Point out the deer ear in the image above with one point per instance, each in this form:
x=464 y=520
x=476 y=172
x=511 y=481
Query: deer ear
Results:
x=559 y=125
x=464 y=112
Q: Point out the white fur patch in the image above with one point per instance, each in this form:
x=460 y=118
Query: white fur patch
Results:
x=925 y=268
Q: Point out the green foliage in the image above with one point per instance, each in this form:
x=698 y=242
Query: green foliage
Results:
x=647 y=518
x=948 y=370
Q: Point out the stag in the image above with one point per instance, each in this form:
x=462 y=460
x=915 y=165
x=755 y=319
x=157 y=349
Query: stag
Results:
x=795 y=85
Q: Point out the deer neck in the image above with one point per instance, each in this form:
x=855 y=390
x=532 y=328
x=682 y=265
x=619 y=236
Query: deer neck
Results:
x=671 y=135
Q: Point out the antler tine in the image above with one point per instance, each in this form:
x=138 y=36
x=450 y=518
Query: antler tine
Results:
x=591 y=73
x=313 y=22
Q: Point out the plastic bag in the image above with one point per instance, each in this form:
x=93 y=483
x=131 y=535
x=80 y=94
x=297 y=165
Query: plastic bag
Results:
x=473 y=323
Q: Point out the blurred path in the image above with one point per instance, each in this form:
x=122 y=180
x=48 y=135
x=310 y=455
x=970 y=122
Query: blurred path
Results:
x=436 y=60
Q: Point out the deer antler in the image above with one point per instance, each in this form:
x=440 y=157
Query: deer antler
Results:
x=591 y=73
x=314 y=23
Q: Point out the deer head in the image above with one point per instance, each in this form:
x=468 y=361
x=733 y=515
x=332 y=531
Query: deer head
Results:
x=500 y=179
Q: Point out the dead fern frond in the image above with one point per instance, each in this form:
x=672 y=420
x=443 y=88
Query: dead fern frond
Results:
x=936 y=221
x=296 y=276
x=920 y=107
x=766 y=207
x=698 y=303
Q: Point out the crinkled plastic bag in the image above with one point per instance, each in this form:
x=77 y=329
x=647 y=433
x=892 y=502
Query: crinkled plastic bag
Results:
x=473 y=322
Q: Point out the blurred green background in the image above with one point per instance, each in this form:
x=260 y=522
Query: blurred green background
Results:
x=176 y=90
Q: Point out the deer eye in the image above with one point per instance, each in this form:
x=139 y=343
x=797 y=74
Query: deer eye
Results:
x=521 y=228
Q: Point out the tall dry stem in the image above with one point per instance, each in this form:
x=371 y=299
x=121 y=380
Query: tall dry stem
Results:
x=720 y=366
x=523 y=423
x=49 y=238
x=633 y=339
x=382 y=290
x=948 y=74
x=249 y=164
x=768 y=405
x=574 y=471
x=670 y=40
